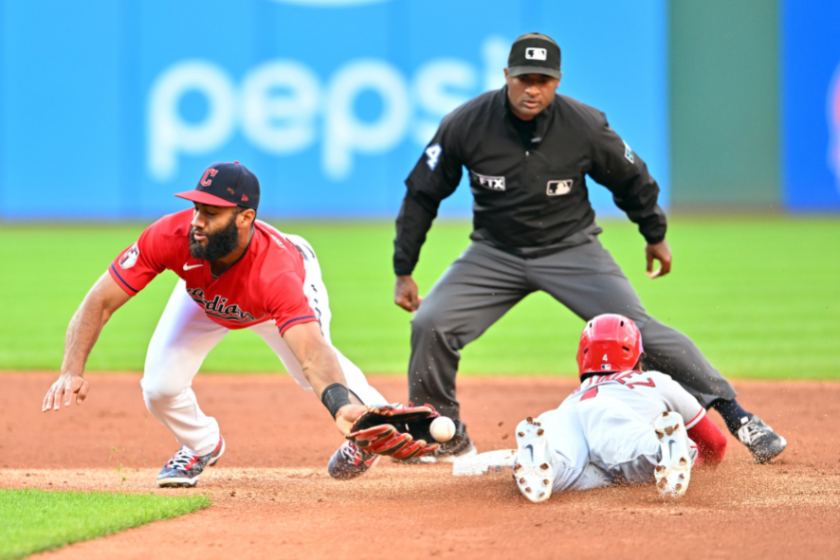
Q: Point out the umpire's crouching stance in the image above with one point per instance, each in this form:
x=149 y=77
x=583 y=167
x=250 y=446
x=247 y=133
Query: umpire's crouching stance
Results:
x=527 y=152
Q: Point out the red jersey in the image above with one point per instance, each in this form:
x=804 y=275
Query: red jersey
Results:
x=265 y=283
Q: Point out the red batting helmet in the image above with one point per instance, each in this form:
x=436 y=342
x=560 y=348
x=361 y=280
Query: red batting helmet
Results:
x=609 y=343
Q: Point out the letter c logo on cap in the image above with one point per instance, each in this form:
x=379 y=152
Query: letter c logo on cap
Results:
x=206 y=180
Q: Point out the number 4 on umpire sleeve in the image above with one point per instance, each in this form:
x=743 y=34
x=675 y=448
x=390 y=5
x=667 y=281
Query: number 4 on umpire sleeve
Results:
x=433 y=156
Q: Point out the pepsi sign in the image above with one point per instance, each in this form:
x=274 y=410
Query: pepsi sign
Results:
x=108 y=108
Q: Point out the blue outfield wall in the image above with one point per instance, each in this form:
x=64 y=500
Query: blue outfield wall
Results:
x=108 y=107
x=811 y=105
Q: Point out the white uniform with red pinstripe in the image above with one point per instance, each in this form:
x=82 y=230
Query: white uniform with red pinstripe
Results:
x=603 y=432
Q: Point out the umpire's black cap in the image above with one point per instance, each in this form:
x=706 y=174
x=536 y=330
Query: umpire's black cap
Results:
x=226 y=184
x=534 y=53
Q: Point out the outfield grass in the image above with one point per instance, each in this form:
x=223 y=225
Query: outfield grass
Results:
x=759 y=295
x=34 y=521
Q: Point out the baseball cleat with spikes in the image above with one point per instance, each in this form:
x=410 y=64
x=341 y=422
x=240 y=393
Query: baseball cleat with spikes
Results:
x=349 y=462
x=674 y=469
x=182 y=470
x=760 y=439
x=532 y=470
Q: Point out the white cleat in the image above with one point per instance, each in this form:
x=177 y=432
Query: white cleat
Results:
x=532 y=470
x=674 y=469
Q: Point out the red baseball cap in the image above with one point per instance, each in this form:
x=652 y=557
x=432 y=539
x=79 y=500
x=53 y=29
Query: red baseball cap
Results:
x=226 y=184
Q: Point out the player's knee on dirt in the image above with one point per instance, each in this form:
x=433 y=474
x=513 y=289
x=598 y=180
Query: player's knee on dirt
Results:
x=637 y=471
x=636 y=467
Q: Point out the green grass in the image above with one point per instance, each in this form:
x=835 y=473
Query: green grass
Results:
x=759 y=295
x=34 y=521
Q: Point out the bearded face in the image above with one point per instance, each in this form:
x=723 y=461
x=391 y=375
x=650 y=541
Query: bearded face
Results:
x=217 y=244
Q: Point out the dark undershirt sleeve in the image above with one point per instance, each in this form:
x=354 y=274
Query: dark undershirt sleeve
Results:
x=413 y=223
x=626 y=175
x=435 y=177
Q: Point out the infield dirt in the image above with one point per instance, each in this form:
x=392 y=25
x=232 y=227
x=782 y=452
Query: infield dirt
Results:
x=273 y=498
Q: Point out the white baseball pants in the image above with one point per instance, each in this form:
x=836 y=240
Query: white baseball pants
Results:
x=185 y=335
x=599 y=442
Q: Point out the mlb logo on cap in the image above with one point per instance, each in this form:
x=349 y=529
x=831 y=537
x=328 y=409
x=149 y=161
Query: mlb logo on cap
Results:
x=536 y=54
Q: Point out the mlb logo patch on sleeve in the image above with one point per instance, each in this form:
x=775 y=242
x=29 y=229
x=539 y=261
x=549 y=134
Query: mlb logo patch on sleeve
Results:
x=628 y=153
x=129 y=259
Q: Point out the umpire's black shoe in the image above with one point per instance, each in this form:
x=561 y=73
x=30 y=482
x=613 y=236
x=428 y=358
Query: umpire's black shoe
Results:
x=459 y=446
x=760 y=439
x=349 y=462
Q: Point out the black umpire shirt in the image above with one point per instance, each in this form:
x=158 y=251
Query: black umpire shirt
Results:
x=527 y=178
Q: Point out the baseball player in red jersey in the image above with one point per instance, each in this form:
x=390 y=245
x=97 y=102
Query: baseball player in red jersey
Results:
x=235 y=272
x=621 y=425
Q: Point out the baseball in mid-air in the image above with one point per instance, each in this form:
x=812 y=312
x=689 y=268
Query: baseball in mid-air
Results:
x=442 y=428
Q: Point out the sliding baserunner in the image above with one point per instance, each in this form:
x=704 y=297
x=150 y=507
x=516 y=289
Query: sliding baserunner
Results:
x=620 y=426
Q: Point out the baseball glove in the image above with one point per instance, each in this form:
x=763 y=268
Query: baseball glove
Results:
x=397 y=431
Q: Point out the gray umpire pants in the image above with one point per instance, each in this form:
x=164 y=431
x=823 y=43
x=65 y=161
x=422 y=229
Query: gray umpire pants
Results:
x=485 y=282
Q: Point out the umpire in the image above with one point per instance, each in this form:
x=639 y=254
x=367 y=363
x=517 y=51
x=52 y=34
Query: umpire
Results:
x=527 y=152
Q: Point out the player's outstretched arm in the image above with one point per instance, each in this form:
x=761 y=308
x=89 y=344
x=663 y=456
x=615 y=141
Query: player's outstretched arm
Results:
x=100 y=303
x=321 y=368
